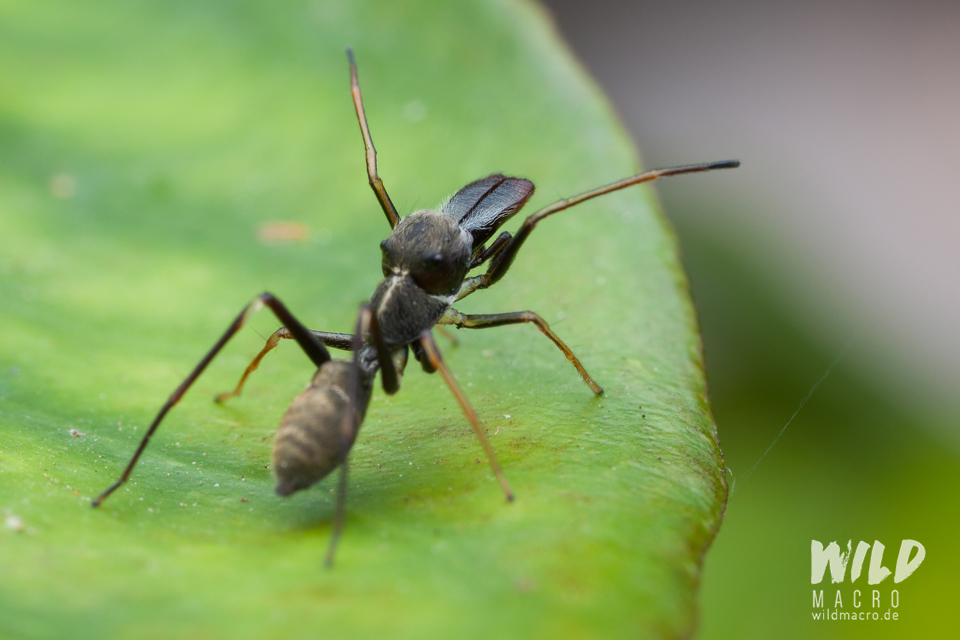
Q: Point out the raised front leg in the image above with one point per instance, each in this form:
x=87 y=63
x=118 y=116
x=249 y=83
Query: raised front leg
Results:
x=375 y=182
x=484 y=321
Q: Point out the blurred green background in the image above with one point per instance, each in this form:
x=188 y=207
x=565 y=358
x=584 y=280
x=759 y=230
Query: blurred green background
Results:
x=853 y=465
x=841 y=225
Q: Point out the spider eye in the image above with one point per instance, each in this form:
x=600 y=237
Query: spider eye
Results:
x=431 y=276
x=387 y=261
x=436 y=273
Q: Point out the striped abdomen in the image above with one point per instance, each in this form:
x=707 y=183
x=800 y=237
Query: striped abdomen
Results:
x=307 y=446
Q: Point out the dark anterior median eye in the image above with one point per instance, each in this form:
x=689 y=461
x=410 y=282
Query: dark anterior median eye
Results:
x=434 y=274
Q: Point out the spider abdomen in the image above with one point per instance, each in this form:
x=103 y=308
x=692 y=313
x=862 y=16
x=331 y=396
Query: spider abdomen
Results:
x=308 y=444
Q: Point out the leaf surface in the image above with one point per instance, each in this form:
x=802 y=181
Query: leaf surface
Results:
x=148 y=153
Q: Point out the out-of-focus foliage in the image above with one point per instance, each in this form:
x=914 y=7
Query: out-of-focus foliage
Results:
x=852 y=466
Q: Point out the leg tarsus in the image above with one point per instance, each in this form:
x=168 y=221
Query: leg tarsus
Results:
x=340 y=341
x=484 y=321
x=338 y=516
x=433 y=354
x=272 y=342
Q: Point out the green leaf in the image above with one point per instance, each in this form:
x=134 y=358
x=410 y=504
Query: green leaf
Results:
x=143 y=146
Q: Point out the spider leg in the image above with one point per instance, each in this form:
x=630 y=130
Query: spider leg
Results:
x=448 y=335
x=333 y=340
x=371 y=153
x=307 y=341
x=484 y=321
x=485 y=253
x=433 y=354
x=350 y=424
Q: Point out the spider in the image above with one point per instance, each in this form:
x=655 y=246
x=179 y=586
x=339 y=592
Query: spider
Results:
x=426 y=263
